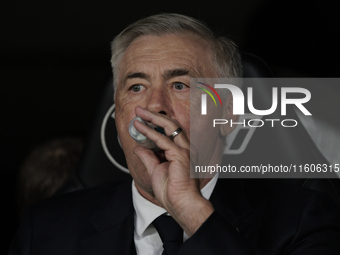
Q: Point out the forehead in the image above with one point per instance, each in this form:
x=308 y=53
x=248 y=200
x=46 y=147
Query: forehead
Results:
x=168 y=52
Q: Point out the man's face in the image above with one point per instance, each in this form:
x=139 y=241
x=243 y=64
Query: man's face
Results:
x=155 y=73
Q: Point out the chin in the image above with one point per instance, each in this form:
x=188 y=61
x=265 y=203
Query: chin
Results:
x=142 y=180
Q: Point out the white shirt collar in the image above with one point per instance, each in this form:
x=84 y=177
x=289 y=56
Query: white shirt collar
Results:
x=147 y=212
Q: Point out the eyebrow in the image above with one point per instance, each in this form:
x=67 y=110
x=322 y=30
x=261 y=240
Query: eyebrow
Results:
x=137 y=75
x=175 y=72
x=167 y=74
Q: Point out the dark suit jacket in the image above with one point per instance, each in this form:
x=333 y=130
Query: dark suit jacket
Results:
x=248 y=220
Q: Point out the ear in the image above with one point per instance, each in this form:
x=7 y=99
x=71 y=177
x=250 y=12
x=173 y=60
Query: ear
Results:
x=228 y=115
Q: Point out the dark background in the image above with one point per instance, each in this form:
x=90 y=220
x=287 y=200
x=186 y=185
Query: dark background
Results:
x=54 y=60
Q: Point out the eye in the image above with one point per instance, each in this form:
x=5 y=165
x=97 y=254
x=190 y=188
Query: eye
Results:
x=179 y=85
x=136 y=88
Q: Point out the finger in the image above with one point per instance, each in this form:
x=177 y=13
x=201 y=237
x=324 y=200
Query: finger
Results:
x=162 y=141
x=173 y=152
x=147 y=157
x=168 y=124
x=158 y=119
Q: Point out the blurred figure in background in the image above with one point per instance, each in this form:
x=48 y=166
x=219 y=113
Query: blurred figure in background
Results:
x=46 y=169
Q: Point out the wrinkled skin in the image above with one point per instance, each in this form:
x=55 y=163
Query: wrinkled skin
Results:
x=154 y=84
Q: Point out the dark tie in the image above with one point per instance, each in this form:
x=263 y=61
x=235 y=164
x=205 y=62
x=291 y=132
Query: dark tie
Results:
x=170 y=232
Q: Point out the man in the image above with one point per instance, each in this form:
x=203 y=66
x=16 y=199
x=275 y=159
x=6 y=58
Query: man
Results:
x=46 y=169
x=153 y=62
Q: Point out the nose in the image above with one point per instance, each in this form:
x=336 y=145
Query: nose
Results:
x=159 y=101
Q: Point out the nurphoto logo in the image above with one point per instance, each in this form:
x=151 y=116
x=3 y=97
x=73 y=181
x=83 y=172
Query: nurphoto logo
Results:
x=239 y=99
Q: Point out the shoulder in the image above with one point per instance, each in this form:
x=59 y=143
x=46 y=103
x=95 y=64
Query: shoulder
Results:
x=296 y=218
x=288 y=203
x=284 y=194
x=73 y=211
x=292 y=198
x=62 y=221
x=83 y=199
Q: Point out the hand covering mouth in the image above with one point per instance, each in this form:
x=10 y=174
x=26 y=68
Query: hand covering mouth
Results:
x=161 y=156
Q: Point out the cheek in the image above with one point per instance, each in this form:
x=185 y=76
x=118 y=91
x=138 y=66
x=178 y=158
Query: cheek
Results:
x=203 y=133
x=124 y=114
x=125 y=108
x=182 y=115
x=121 y=104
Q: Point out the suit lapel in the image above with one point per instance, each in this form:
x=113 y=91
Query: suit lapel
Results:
x=114 y=222
x=114 y=225
x=230 y=201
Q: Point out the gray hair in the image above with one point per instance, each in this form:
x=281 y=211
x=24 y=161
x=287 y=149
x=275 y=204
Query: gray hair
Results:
x=225 y=52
